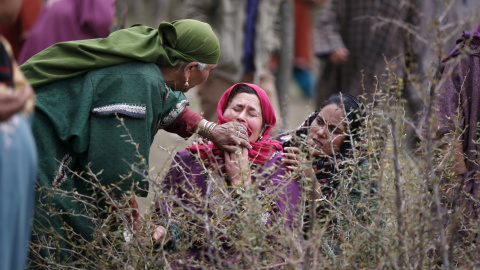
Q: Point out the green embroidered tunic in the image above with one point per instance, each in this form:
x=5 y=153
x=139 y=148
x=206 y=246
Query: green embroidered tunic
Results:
x=76 y=125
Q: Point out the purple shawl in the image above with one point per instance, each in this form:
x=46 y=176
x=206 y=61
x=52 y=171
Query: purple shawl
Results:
x=461 y=93
x=187 y=174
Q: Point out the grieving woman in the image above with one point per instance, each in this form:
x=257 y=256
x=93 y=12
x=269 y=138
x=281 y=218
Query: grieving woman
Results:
x=326 y=151
x=207 y=182
x=137 y=74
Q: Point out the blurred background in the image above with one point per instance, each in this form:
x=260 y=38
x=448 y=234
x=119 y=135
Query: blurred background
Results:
x=298 y=51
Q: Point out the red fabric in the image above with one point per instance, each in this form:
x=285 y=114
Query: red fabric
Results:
x=185 y=124
x=135 y=211
x=303 y=33
x=261 y=150
x=16 y=32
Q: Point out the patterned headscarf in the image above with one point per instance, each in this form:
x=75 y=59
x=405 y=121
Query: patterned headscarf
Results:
x=182 y=40
x=261 y=150
x=325 y=166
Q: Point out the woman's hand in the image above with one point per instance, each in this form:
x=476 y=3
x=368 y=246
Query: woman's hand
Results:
x=237 y=167
x=13 y=102
x=294 y=159
x=159 y=233
x=339 y=56
x=229 y=136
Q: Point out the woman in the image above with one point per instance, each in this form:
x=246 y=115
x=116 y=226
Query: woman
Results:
x=18 y=157
x=457 y=135
x=326 y=148
x=139 y=74
x=205 y=177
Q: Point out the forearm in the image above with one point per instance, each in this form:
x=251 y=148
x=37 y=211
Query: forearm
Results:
x=186 y=123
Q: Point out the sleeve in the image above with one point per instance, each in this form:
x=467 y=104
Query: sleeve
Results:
x=174 y=105
x=185 y=124
x=327 y=30
x=448 y=101
x=287 y=188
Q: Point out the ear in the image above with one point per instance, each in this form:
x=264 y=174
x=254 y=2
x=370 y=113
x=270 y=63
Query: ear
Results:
x=188 y=69
x=262 y=131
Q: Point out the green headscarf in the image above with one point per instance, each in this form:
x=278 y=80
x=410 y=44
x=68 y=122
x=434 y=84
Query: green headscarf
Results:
x=182 y=40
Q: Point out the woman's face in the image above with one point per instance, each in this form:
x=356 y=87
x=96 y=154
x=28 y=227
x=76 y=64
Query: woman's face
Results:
x=199 y=76
x=245 y=108
x=327 y=131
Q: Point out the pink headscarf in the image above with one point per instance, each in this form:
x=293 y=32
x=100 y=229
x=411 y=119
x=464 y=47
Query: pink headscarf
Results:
x=261 y=150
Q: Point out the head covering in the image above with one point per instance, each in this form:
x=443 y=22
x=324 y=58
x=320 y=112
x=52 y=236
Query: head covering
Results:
x=182 y=40
x=261 y=150
x=325 y=166
x=355 y=113
x=467 y=43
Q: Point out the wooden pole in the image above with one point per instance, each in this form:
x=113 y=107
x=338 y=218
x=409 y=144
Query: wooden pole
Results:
x=285 y=58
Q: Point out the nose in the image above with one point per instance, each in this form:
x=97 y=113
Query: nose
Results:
x=241 y=117
x=322 y=132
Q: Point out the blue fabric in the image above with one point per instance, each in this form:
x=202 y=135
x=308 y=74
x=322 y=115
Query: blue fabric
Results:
x=18 y=167
x=249 y=42
x=305 y=81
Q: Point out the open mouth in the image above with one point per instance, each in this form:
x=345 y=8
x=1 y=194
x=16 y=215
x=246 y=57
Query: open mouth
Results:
x=318 y=144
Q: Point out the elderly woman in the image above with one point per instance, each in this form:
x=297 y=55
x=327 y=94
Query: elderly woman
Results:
x=326 y=149
x=218 y=176
x=137 y=74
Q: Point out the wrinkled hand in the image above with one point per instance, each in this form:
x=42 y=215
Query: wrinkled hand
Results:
x=225 y=137
x=338 y=56
x=237 y=167
x=292 y=156
x=159 y=233
x=12 y=103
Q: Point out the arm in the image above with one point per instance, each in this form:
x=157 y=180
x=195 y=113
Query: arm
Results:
x=294 y=159
x=238 y=167
x=327 y=35
x=12 y=102
x=223 y=136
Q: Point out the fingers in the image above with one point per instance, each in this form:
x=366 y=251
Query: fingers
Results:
x=159 y=233
x=294 y=150
x=226 y=155
x=290 y=159
x=244 y=143
x=242 y=135
x=229 y=148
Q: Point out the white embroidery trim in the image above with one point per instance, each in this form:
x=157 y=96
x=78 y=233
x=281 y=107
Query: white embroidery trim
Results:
x=140 y=109
x=168 y=91
x=168 y=120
